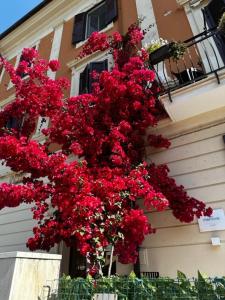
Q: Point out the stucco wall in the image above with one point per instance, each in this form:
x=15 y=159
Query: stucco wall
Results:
x=197 y=161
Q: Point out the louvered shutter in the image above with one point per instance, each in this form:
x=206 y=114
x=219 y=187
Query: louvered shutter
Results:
x=79 y=28
x=111 y=12
x=97 y=66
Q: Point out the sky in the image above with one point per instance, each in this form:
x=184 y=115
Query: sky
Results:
x=13 y=10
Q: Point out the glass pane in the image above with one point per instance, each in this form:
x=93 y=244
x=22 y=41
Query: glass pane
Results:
x=93 y=24
x=96 y=20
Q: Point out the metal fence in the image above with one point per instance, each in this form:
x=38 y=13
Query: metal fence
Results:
x=117 y=288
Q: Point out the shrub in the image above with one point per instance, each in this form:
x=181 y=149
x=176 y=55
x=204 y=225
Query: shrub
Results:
x=133 y=288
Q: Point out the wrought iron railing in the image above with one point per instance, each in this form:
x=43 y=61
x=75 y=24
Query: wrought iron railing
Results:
x=204 y=56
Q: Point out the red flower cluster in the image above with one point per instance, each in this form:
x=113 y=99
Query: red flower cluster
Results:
x=88 y=193
x=96 y=42
x=54 y=65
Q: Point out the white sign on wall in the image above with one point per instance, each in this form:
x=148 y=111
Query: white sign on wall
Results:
x=213 y=223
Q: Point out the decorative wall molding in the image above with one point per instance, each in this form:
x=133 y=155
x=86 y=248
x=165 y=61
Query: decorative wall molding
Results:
x=182 y=2
x=7 y=100
x=191 y=2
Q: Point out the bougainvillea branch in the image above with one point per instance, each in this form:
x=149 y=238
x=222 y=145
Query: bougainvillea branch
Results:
x=87 y=193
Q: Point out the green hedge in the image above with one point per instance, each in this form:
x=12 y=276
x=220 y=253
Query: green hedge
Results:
x=133 y=288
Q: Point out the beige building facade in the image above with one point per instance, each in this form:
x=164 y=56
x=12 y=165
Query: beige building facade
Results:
x=195 y=122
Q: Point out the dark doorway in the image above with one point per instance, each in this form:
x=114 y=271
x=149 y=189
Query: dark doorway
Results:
x=77 y=265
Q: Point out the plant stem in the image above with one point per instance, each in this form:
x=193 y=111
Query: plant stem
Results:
x=110 y=262
x=100 y=269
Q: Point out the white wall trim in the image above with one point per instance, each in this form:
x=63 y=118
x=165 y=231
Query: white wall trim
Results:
x=145 y=10
x=55 y=50
x=31 y=255
x=2 y=74
x=192 y=2
x=195 y=99
x=56 y=45
x=7 y=100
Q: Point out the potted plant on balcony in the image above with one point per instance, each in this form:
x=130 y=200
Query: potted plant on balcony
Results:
x=221 y=26
x=161 y=49
x=158 y=50
x=177 y=50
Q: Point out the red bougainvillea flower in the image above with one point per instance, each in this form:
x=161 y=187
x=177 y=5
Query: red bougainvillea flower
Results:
x=88 y=193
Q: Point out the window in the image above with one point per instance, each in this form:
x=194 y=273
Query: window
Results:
x=14 y=123
x=19 y=58
x=22 y=58
x=86 y=79
x=95 y=19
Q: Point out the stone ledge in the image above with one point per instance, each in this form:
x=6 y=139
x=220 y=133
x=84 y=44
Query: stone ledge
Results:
x=30 y=255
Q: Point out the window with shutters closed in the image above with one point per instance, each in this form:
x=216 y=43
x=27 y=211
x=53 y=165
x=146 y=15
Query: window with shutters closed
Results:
x=95 y=19
x=86 y=79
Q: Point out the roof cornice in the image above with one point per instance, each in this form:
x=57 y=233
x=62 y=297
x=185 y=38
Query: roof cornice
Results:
x=40 y=24
x=24 y=18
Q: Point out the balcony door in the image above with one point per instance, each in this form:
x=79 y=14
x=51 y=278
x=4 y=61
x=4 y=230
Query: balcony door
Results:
x=213 y=12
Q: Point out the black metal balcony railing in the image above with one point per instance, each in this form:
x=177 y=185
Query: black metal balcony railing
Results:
x=204 y=56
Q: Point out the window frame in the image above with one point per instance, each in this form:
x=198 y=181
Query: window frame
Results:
x=101 y=4
x=88 y=10
x=6 y=172
x=87 y=75
x=105 y=29
x=78 y=67
x=18 y=56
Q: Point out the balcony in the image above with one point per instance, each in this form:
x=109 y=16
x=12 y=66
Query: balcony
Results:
x=195 y=83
